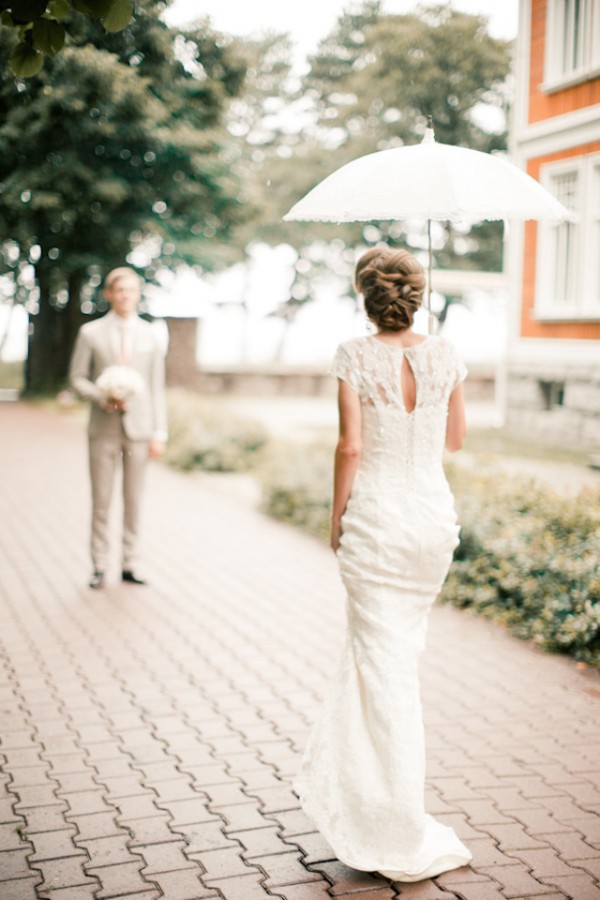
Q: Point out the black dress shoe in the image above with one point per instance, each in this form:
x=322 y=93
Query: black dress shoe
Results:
x=97 y=580
x=128 y=575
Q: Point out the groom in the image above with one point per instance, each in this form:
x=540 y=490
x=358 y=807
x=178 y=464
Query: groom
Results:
x=121 y=432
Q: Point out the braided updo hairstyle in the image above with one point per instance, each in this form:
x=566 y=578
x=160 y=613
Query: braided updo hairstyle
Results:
x=392 y=284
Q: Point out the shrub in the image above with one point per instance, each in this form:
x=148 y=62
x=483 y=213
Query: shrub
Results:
x=296 y=485
x=529 y=557
x=202 y=436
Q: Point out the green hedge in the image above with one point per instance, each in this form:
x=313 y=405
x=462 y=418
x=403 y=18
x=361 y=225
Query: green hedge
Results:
x=527 y=556
x=531 y=558
x=203 y=435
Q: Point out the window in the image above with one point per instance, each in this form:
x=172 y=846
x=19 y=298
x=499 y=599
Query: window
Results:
x=572 y=40
x=552 y=393
x=568 y=253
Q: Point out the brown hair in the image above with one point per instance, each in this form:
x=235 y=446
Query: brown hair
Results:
x=392 y=284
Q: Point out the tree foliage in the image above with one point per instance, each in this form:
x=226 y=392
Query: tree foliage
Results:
x=371 y=84
x=115 y=144
x=41 y=26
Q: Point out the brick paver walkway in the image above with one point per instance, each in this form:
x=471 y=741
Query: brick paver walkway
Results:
x=149 y=734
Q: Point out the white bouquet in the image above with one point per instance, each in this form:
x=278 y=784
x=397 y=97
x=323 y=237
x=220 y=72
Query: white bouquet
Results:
x=119 y=383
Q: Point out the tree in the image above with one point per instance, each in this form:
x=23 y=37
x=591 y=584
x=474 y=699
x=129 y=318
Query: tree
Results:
x=42 y=26
x=114 y=145
x=371 y=85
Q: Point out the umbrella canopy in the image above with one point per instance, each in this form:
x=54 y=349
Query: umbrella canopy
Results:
x=428 y=181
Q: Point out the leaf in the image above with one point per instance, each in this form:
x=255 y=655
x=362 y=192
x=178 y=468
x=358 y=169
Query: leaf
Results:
x=26 y=61
x=6 y=19
x=28 y=10
x=99 y=8
x=48 y=36
x=59 y=10
x=119 y=16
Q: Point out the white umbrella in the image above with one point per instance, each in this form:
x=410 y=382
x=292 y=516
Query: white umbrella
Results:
x=430 y=181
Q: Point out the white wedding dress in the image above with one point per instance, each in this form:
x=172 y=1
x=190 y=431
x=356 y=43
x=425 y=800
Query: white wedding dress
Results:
x=363 y=773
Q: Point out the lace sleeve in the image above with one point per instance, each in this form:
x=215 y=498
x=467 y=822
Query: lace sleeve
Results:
x=343 y=366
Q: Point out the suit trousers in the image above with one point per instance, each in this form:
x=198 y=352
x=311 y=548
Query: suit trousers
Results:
x=107 y=453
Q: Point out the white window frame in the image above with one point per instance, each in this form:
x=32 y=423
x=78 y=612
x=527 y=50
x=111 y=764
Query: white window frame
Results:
x=556 y=76
x=585 y=303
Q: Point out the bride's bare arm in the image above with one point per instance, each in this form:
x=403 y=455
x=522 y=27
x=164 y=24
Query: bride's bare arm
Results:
x=347 y=456
x=456 y=427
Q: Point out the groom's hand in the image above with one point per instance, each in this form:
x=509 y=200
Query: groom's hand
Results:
x=156 y=449
x=113 y=404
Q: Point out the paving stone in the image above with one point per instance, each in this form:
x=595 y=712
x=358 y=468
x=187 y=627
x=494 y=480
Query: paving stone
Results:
x=575 y=887
x=95 y=825
x=421 y=890
x=120 y=879
x=275 y=799
x=293 y=822
x=241 y=887
x=187 y=812
x=12 y=837
x=482 y=812
x=63 y=873
x=590 y=865
x=513 y=837
x=53 y=845
x=85 y=892
x=37 y=795
x=262 y=842
x=318 y=890
x=167 y=857
x=139 y=807
x=14 y=863
x=285 y=868
x=7 y=812
x=108 y=851
x=85 y=802
x=223 y=863
x=345 y=880
x=313 y=847
x=184 y=884
x=571 y=846
x=209 y=836
x=151 y=830
x=542 y=862
x=242 y=816
x=19 y=889
x=489 y=890
x=45 y=818
x=515 y=881
x=75 y=782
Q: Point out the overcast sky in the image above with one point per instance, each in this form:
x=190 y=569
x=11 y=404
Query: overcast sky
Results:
x=310 y=20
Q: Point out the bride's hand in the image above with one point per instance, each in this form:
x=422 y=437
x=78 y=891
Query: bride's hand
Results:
x=336 y=533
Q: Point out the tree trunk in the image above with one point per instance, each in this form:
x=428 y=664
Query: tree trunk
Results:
x=71 y=319
x=41 y=373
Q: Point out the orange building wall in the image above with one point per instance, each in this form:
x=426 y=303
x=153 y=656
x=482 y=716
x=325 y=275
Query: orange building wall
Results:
x=544 y=106
x=530 y=327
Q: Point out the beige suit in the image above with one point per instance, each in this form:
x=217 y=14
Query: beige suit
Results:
x=119 y=437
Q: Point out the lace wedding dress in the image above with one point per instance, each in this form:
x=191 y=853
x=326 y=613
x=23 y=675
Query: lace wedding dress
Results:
x=363 y=773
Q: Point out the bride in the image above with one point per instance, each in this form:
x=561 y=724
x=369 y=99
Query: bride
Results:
x=394 y=530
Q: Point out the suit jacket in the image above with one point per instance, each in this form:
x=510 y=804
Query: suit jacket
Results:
x=96 y=348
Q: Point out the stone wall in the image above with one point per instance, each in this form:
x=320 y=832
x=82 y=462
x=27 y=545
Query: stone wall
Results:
x=559 y=402
x=183 y=371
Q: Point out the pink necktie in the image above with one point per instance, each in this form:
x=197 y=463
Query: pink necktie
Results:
x=124 y=346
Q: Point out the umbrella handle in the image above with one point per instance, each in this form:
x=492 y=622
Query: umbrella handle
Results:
x=432 y=321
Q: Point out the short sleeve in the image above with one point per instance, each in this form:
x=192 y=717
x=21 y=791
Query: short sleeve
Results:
x=343 y=366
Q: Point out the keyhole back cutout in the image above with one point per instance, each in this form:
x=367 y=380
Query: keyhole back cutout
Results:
x=409 y=385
